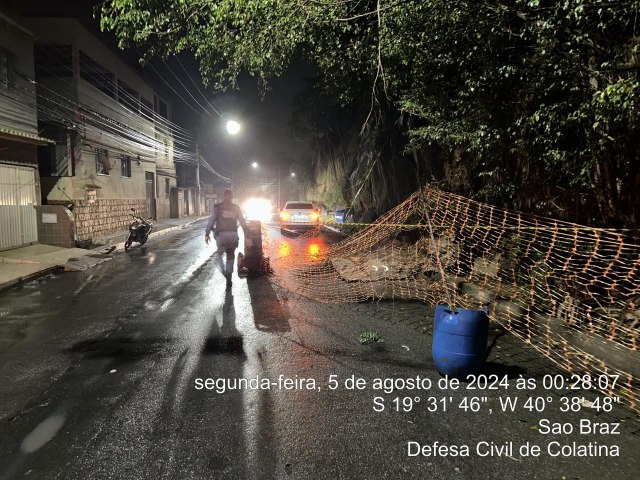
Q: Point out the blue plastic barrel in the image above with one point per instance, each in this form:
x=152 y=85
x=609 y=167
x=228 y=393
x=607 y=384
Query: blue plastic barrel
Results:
x=459 y=341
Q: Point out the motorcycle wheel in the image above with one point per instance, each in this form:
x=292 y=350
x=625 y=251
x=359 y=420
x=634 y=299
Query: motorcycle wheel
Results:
x=146 y=236
x=128 y=243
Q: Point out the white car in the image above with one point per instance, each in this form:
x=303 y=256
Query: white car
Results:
x=299 y=215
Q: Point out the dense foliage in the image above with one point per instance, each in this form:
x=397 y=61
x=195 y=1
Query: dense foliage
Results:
x=529 y=104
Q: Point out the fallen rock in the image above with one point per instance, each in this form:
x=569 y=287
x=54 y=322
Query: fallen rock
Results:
x=487 y=266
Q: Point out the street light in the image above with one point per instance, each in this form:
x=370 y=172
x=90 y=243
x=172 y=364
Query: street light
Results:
x=254 y=164
x=233 y=127
x=293 y=174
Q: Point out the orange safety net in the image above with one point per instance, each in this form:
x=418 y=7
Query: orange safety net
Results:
x=570 y=291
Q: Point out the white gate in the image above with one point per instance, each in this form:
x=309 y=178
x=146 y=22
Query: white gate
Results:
x=18 y=222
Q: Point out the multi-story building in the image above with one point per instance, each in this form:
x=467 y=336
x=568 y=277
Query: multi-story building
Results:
x=19 y=138
x=113 y=142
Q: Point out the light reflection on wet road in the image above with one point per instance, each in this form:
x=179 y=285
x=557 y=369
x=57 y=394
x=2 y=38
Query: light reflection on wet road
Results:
x=120 y=345
x=311 y=249
x=99 y=368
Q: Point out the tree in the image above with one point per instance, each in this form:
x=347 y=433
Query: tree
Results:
x=534 y=102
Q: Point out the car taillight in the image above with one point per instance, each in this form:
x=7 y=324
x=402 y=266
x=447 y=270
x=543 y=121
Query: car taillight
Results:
x=284 y=216
x=313 y=216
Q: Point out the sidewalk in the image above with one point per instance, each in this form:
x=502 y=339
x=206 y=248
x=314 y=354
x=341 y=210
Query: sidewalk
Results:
x=27 y=263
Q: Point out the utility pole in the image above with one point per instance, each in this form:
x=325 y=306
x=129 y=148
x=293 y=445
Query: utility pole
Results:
x=278 y=206
x=197 y=180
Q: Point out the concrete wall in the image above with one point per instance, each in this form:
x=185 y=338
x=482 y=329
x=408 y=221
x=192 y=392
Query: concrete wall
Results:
x=148 y=145
x=18 y=102
x=189 y=201
x=68 y=31
x=105 y=217
x=95 y=100
x=114 y=185
x=163 y=201
x=177 y=203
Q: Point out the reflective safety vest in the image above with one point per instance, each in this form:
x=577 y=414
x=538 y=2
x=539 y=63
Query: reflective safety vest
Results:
x=227 y=217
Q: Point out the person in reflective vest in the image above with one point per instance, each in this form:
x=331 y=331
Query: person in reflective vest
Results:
x=224 y=221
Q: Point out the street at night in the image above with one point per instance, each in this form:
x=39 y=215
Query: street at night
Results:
x=260 y=239
x=100 y=370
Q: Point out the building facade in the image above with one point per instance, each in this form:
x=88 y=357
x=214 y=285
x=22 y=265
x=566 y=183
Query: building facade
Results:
x=113 y=146
x=19 y=137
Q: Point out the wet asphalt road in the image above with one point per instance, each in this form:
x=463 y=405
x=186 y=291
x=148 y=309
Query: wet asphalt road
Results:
x=99 y=380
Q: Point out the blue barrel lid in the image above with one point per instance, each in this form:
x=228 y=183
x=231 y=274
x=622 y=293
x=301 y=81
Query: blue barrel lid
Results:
x=462 y=322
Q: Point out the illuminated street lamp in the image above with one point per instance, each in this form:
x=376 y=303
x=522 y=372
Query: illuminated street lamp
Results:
x=254 y=164
x=293 y=174
x=233 y=127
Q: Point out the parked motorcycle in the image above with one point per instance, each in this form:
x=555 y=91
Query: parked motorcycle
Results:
x=139 y=230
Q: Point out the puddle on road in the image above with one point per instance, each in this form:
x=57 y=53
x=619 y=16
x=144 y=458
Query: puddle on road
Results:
x=167 y=303
x=42 y=434
x=122 y=349
x=152 y=305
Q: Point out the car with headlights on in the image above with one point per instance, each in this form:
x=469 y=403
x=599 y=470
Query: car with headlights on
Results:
x=299 y=215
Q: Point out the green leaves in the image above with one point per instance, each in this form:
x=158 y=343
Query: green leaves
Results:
x=370 y=337
x=550 y=86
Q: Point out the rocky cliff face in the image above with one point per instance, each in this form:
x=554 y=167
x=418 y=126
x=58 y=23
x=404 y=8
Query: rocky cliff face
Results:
x=370 y=171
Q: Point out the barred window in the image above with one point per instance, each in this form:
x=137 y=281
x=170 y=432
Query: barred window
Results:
x=52 y=60
x=97 y=75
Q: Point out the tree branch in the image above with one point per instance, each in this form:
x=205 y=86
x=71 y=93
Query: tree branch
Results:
x=379 y=72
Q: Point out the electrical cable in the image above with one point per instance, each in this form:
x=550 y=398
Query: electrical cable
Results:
x=197 y=87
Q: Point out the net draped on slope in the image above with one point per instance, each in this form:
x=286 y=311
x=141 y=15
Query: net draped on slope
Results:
x=572 y=292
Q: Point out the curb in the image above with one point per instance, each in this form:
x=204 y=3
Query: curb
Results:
x=119 y=246
x=28 y=278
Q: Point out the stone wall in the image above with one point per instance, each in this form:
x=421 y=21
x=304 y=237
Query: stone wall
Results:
x=105 y=217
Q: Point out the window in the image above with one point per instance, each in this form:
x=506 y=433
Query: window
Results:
x=146 y=108
x=167 y=187
x=53 y=60
x=97 y=75
x=298 y=206
x=103 y=165
x=125 y=166
x=128 y=97
x=160 y=107
x=7 y=70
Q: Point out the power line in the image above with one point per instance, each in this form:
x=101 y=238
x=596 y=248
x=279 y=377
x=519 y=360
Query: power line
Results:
x=115 y=135
x=56 y=55
x=197 y=87
x=187 y=90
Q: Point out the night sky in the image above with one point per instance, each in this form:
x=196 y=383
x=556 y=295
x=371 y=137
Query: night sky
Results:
x=266 y=135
